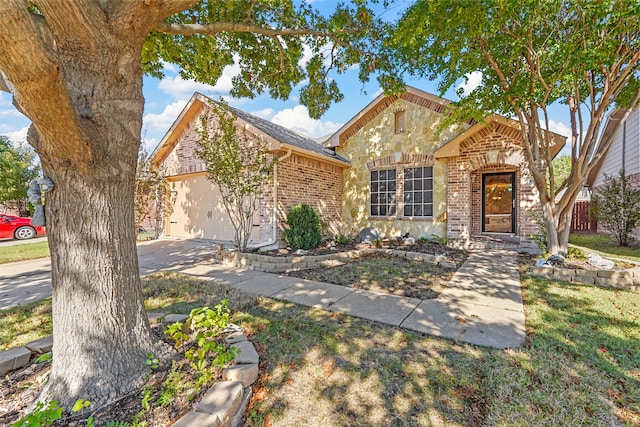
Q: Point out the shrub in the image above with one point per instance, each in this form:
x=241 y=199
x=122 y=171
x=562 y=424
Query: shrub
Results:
x=304 y=229
x=617 y=207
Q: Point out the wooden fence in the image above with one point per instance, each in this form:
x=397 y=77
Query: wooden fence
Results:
x=581 y=220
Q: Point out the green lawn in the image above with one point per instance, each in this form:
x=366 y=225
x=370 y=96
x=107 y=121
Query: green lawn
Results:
x=24 y=252
x=580 y=366
x=606 y=245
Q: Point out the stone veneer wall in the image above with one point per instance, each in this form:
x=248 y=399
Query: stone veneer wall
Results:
x=313 y=182
x=374 y=147
x=489 y=152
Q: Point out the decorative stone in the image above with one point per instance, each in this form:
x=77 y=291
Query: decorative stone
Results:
x=369 y=234
x=236 y=419
x=198 y=419
x=245 y=353
x=41 y=346
x=235 y=337
x=14 y=358
x=599 y=262
x=154 y=317
x=247 y=374
x=222 y=400
x=173 y=318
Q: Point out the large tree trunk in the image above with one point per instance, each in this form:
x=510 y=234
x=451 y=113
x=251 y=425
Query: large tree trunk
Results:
x=80 y=82
x=100 y=329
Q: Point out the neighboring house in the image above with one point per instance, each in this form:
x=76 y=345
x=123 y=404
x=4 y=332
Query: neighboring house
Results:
x=385 y=168
x=470 y=185
x=305 y=173
x=623 y=153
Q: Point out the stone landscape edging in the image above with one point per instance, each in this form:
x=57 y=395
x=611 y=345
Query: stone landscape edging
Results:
x=282 y=264
x=618 y=279
x=223 y=405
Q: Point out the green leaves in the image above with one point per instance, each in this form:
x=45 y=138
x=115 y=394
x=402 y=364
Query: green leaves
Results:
x=276 y=45
x=238 y=163
x=17 y=170
x=304 y=229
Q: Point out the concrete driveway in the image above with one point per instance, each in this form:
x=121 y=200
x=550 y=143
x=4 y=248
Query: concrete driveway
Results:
x=28 y=281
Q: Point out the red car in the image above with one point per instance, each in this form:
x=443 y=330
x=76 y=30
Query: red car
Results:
x=18 y=227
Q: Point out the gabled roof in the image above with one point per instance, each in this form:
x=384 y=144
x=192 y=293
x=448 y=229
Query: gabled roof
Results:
x=437 y=104
x=493 y=123
x=381 y=103
x=277 y=136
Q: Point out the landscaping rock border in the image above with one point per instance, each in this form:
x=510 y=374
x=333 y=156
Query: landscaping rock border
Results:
x=282 y=264
x=223 y=405
x=619 y=279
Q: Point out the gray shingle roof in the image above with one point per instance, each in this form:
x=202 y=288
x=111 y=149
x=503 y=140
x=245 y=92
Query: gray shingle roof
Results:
x=286 y=136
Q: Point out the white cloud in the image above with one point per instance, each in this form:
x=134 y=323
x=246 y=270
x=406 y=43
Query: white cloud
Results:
x=19 y=135
x=265 y=113
x=168 y=67
x=297 y=119
x=164 y=120
x=559 y=127
x=179 y=88
x=471 y=81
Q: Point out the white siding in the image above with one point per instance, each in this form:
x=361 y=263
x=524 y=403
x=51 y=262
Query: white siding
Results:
x=613 y=160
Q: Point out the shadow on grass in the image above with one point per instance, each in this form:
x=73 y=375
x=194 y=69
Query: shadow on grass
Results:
x=598 y=327
x=579 y=367
x=321 y=368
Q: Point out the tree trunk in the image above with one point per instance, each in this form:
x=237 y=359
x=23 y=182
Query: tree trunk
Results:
x=558 y=227
x=100 y=328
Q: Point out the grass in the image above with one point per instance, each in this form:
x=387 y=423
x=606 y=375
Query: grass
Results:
x=606 y=245
x=25 y=323
x=580 y=366
x=384 y=273
x=23 y=252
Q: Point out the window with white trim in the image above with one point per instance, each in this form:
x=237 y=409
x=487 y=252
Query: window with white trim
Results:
x=418 y=191
x=383 y=193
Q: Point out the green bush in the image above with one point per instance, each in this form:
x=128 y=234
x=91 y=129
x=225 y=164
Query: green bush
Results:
x=304 y=229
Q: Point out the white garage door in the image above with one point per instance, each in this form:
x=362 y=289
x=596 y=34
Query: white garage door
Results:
x=198 y=211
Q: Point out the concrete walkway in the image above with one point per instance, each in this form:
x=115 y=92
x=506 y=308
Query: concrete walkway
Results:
x=482 y=304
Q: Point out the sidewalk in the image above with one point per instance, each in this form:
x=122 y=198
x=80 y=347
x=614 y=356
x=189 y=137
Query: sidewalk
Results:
x=482 y=304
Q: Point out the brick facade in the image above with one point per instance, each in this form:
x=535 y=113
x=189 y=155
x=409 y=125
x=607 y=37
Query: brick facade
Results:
x=493 y=152
x=301 y=179
x=313 y=182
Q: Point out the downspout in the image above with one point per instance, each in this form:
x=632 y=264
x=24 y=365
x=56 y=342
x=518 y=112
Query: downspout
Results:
x=274 y=239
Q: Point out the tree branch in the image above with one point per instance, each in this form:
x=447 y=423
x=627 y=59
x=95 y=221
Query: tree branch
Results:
x=236 y=27
x=4 y=87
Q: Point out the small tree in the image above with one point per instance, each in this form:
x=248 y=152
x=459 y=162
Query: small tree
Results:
x=17 y=170
x=238 y=163
x=151 y=194
x=617 y=207
x=304 y=229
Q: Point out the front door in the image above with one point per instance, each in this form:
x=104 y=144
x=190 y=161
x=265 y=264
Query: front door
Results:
x=498 y=202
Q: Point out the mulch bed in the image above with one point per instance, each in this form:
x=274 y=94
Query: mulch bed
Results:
x=19 y=388
x=384 y=273
x=458 y=256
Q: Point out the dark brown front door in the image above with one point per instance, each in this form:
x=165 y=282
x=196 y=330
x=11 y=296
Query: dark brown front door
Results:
x=498 y=202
